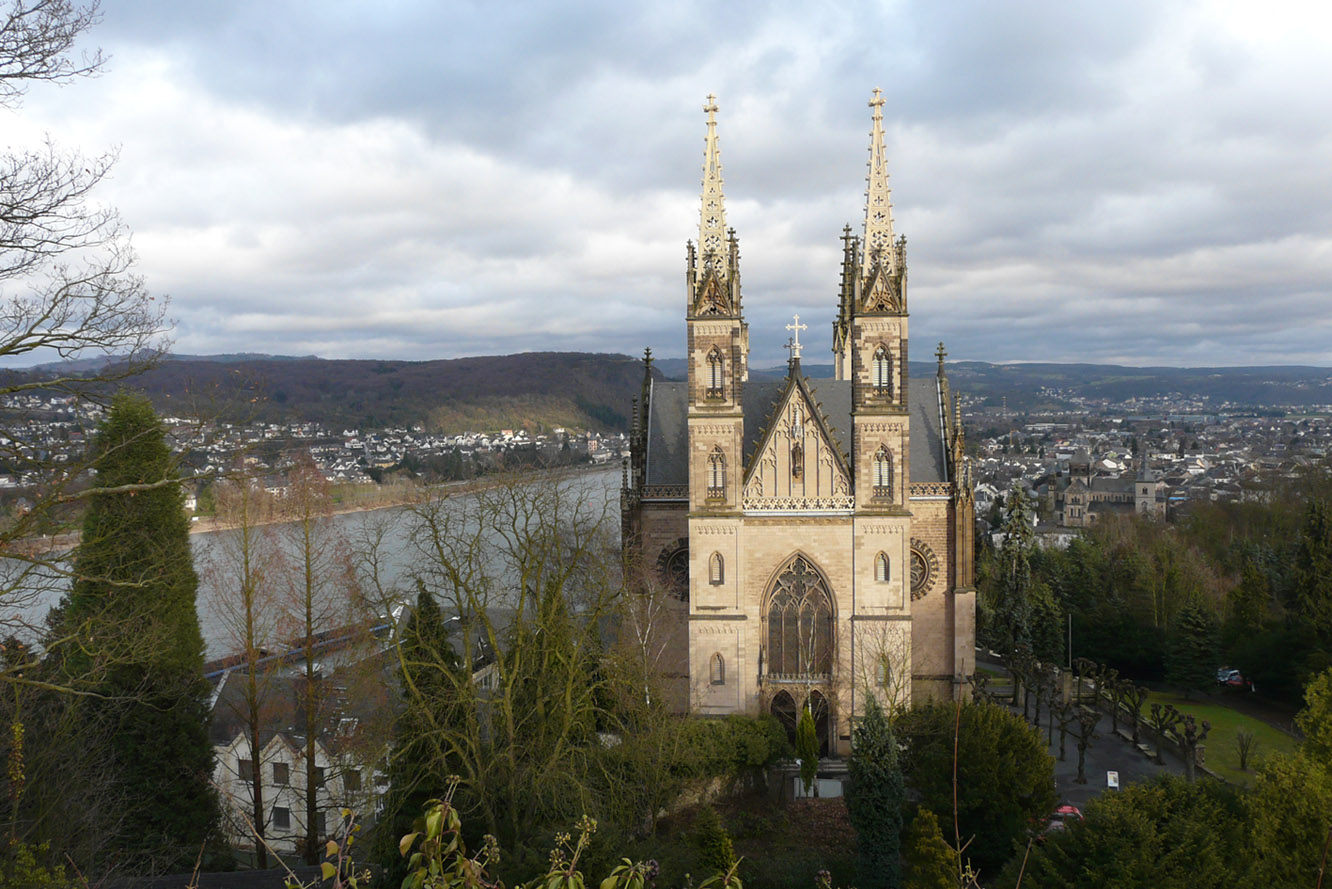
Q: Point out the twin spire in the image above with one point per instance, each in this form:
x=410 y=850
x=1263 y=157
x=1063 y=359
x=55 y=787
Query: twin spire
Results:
x=712 y=236
x=878 y=200
x=874 y=267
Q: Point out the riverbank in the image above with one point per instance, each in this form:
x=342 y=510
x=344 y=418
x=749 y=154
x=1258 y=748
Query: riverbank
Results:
x=363 y=498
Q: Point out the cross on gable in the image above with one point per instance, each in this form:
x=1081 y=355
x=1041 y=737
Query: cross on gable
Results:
x=794 y=343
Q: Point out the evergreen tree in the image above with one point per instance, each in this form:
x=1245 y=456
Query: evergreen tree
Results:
x=419 y=768
x=874 y=799
x=985 y=761
x=807 y=749
x=1191 y=663
x=129 y=630
x=716 y=851
x=930 y=862
x=1311 y=578
x=1012 y=588
x=1247 y=603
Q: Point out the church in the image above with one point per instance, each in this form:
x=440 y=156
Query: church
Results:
x=812 y=538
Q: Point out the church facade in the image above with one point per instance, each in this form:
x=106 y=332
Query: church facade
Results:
x=812 y=539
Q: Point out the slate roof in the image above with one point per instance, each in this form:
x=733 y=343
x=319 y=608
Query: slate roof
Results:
x=668 y=438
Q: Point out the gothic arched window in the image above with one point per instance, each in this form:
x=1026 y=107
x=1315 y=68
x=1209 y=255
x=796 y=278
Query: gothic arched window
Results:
x=800 y=623
x=881 y=568
x=883 y=472
x=716 y=569
x=716 y=373
x=717 y=670
x=716 y=473
x=882 y=371
x=885 y=672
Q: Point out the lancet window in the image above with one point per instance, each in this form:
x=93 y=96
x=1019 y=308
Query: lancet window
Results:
x=716 y=569
x=799 y=624
x=716 y=473
x=716 y=373
x=882 y=572
x=717 y=670
x=881 y=368
x=883 y=472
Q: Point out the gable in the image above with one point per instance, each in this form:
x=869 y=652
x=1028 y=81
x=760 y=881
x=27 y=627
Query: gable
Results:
x=798 y=465
x=668 y=427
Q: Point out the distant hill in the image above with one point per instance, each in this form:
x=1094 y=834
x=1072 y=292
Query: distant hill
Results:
x=578 y=390
x=586 y=390
x=1028 y=386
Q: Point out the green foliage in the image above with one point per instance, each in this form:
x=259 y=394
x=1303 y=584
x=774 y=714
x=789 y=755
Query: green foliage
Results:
x=418 y=767
x=128 y=631
x=730 y=745
x=437 y=858
x=807 y=749
x=1005 y=777
x=1167 y=834
x=1311 y=575
x=874 y=799
x=28 y=867
x=930 y=862
x=717 y=853
x=1011 y=591
x=1315 y=720
x=1289 y=811
x=1191 y=663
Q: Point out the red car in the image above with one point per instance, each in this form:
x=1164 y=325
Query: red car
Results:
x=1060 y=820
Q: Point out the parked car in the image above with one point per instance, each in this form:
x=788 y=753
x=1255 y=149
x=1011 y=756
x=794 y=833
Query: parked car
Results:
x=1059 y=820
x=1230 y=678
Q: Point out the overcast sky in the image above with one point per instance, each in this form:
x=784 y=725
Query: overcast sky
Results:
x=1140 y=183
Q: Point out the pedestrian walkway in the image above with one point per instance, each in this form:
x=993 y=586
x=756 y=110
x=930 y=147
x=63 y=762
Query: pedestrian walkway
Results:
x=1108 y=752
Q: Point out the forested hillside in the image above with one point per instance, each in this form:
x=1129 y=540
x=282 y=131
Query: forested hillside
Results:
x=578 y=390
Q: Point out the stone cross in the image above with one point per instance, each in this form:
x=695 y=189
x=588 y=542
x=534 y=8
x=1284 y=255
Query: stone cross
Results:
x=795 y=338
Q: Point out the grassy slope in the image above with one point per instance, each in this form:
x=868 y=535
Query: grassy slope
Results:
x=1221 y=755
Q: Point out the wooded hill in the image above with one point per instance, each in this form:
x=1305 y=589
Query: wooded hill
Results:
x=1027 y=386
x=531 y=389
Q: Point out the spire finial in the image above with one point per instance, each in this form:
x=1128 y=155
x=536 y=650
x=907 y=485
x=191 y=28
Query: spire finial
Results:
x=712 y=240
x=941 y=353
x=794 y=343
x=878 y=198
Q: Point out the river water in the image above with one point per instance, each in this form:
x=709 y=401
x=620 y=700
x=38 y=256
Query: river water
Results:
x=388 y=531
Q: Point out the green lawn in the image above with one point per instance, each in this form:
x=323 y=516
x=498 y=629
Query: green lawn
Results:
x=1221 y=755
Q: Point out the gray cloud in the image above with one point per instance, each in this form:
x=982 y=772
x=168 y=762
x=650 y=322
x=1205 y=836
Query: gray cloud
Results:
x=1125 y=183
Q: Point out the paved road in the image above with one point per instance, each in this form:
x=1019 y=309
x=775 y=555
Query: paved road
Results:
x=1107 y=753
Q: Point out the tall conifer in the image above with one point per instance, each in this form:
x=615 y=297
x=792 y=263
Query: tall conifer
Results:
x=428 y=671
x=130 y=633
x=874 y=799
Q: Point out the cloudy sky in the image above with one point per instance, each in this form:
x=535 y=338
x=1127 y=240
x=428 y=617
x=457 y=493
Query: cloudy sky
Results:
x=1142 y=183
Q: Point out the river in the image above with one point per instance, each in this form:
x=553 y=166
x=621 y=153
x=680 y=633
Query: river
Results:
x=392 y=527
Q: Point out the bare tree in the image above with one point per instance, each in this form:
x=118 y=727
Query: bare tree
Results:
x=531 y=572
x=1136 y=697
x=883 y=652
x=1087 y=720
x=321 y=599
x=242 y=567
x=1163 y=721
x=66 y=292
x=1190 y=735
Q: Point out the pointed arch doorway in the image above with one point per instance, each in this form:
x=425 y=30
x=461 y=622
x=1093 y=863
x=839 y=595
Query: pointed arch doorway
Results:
x=784 y=708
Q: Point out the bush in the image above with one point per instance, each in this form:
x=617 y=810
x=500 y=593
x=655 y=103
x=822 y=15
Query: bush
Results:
x=1005 y=777
x=1165 y=833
